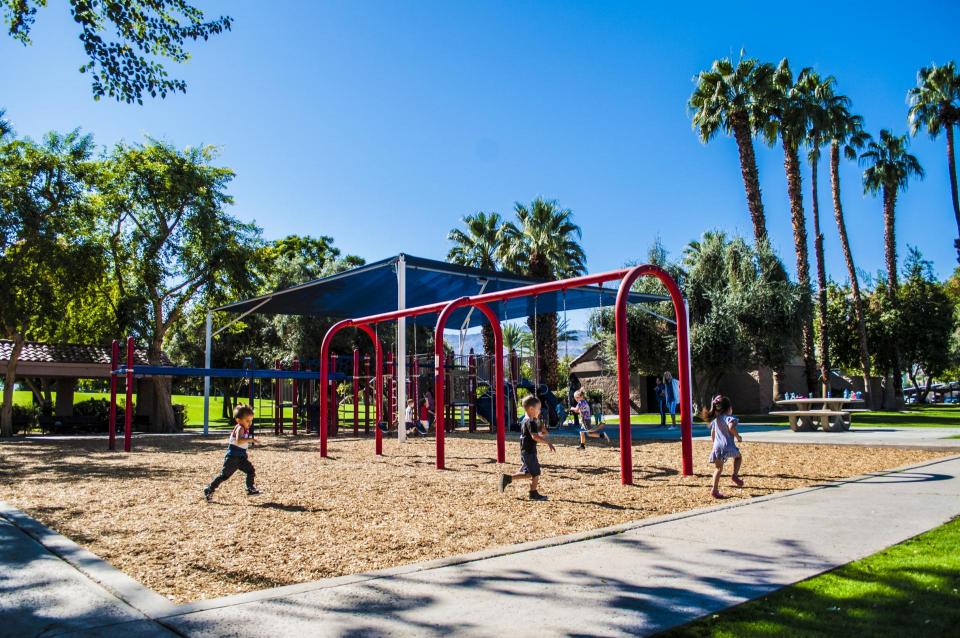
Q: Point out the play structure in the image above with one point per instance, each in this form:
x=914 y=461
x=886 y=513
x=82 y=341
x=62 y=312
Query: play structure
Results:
x=457 y=382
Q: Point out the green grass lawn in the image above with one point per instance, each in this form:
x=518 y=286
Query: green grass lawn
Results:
x=910 y=589
x=923 y=416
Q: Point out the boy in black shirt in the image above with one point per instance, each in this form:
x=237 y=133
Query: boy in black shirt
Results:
x=531 y=431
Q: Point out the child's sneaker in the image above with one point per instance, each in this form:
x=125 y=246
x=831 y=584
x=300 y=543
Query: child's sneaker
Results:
x=505 y=480
x=207 y=494
x=253 y=492
x=537 y=496
x=581 y=447
x=717 y=494
x=737 y=481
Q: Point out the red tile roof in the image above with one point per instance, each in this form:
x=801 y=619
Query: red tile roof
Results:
x=36 y=352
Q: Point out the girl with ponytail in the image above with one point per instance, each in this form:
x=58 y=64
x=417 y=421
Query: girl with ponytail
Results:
x=723 y=431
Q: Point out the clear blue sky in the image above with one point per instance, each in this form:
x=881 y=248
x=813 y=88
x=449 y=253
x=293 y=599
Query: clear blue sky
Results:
x=382 y=123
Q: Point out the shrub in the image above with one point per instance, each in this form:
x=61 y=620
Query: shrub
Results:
x=99 y=408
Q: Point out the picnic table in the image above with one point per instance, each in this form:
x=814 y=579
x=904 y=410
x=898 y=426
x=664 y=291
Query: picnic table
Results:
x=832 y=415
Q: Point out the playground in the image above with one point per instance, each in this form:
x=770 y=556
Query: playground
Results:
x=357 y=512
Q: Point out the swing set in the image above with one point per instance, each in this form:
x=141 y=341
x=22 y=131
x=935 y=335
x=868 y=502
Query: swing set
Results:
x=481 y=302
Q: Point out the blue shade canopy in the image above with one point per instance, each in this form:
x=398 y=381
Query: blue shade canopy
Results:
x=372 y=289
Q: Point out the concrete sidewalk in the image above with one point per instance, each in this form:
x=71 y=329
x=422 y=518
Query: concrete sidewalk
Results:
x=635 y=579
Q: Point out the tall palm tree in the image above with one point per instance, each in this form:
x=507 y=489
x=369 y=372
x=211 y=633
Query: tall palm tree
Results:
x=823 y=102
x=792 y=108
x=477 y=246
x=889 y=167
x=733 y=98
x=935 y=105
x=545 y=243
x=846 y=133
x=5 y=127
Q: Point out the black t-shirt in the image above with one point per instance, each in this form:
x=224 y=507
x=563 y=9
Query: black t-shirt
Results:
x=528 y=427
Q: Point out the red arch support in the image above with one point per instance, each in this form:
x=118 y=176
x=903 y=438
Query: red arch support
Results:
x=623 y=368
x=325 y=372
x=439 y=375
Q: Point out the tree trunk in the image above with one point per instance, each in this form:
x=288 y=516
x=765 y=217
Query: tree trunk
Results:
x=777 y=383
x=791 y=164
x=871 y=401
x=546 y=362
x=6 y=413
x=751 y=177
x=824 y=342
x=952 y=169
x=890 y=248
x=162 y=418
x=487 y=334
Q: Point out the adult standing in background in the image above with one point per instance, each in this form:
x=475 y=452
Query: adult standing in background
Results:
x=573 y=384
x=659 y=391
x=671 y=393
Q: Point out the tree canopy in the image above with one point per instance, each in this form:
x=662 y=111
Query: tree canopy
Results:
x=124 y=41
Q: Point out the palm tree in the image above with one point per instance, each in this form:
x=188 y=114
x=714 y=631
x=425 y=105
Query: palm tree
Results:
x=545 y=243
x=792 y=109
x=823 y=102
x=734 y=99
x=935 y=104
x=889 y=167
x=477 y=246
x=5 y=127
x=846 y=131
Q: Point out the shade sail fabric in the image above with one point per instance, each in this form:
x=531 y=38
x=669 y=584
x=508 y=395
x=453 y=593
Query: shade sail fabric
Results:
x=372 y=289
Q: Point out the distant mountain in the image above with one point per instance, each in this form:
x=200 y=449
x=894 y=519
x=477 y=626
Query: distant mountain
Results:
x=474 y=340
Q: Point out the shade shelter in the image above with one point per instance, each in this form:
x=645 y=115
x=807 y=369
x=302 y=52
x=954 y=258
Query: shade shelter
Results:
x=405 y=281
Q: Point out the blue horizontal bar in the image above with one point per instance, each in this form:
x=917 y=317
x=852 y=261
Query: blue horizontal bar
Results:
x=230 y=373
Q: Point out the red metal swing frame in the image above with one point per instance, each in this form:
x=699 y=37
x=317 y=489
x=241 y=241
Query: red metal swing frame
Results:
x=627 y=277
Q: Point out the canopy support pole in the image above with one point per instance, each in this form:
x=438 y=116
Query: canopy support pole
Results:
x=401 y=361
x=206 y=379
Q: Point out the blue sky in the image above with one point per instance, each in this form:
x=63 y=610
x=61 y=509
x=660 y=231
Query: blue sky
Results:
x=382 y=123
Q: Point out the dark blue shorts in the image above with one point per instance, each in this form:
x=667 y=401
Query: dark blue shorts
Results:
x=529 y=463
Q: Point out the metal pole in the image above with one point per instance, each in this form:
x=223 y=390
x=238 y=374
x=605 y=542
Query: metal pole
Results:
x=128 y=410
x=366 y=394
x=114 y=359
x=293 y=397
x=472 y=389
x=356 y=392
x=277 y=401
x=206 y=380
x=401 y=347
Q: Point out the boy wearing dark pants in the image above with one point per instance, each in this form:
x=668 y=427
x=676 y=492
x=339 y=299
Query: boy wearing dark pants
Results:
x=236 y=457
x=531 y=431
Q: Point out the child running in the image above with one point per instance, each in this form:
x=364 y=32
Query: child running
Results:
x=723 y=430
x=582 y=408
x=531 y=431
x=236 y=457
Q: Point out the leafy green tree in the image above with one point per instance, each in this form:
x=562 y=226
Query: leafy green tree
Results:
x=792 y=109
x=48 y=251
x=935 y=105
x=124 y=41
x=928 y=321
x=545 y=243
x=477 y=246
x=172 y=240
x=735 y=99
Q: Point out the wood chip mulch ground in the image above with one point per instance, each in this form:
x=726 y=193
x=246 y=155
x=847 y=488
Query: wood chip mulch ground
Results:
x=145 y=513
